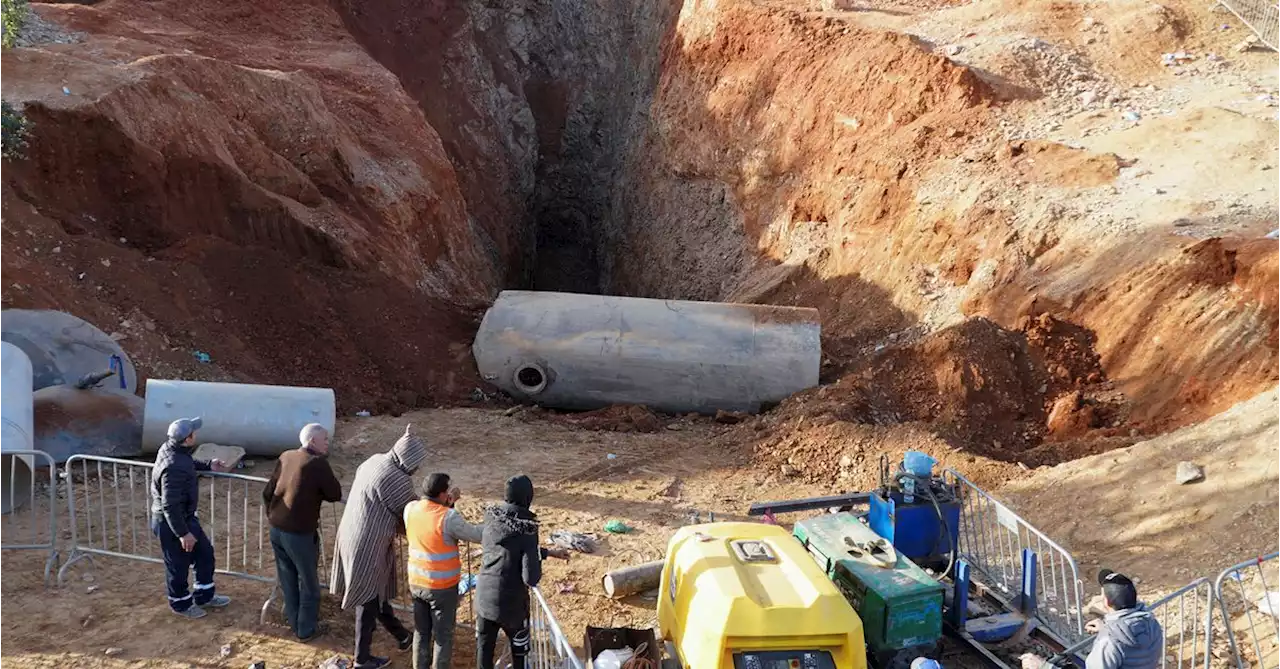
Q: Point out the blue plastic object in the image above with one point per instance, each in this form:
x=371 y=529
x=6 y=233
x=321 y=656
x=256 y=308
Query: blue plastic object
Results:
x=918 y=463
x=117 y=366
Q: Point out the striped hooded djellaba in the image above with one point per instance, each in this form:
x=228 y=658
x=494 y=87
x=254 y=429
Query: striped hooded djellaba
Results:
x=364 y=562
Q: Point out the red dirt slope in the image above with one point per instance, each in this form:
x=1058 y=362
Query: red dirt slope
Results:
x=244 y=178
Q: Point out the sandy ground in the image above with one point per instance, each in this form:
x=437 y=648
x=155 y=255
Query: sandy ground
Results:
x=580 y=488
x=654 y=483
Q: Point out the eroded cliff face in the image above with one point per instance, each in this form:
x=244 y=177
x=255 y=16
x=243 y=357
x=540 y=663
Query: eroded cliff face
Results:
x=245 y=180
x=334 y=189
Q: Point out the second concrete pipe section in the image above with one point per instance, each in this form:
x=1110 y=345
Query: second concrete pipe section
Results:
x=263 y=420
x=574 y=351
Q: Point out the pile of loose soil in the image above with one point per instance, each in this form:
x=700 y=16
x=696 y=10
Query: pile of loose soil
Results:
x=976 y=381
x=975 y=390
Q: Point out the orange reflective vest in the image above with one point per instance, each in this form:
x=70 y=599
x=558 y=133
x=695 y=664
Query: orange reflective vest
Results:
x=434 y=563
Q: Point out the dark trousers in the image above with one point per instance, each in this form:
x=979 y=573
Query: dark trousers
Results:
x=297 y=562
x=435 y=615
x=178 y=562
x=367 y=616
x=487 y=634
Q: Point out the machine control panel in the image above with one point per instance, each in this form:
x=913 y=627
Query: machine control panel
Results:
x=784 y=659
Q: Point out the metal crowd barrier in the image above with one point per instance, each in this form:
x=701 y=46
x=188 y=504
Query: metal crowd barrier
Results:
x=1186 y=616
x=550 y=649
x=1261 y=16
x=1240 y=589
x=22 y=527
x=992 y=539
x=109 y=501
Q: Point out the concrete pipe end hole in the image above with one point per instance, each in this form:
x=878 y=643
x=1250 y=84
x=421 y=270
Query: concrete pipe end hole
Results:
x=531 y=379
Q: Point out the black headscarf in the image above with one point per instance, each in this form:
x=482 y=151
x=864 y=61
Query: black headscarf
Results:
x=520 y=491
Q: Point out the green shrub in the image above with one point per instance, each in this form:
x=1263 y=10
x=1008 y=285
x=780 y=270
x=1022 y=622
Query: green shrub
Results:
x=13 y=13
x=14 y=128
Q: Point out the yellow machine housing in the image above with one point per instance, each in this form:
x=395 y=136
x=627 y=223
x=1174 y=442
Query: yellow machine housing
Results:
x=748 y=596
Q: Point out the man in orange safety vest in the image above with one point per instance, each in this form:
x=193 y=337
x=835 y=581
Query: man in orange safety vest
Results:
x=434 y=530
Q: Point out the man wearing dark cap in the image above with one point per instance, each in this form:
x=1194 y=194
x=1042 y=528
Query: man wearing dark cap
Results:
x=175 y=488
x=1129 y=637
x=434 y=529
x=512 y=564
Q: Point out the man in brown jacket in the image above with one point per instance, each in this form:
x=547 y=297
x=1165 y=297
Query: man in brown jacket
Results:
x=301 y=482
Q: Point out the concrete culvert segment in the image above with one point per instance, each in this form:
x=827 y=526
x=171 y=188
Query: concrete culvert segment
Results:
x=672 y=355
x=63 y=348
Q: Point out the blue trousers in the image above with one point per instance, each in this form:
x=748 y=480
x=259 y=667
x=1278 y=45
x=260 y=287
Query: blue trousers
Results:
x=297 y=562
x=178 y=563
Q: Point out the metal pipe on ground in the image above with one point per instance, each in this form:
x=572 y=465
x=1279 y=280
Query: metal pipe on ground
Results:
x=573 y=351
x=263 y=420
x=17 y=413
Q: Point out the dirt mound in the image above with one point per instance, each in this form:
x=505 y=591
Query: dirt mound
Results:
x=976 y=379
x=976 y=394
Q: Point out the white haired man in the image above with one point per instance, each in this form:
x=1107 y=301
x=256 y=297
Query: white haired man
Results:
x=301 y=482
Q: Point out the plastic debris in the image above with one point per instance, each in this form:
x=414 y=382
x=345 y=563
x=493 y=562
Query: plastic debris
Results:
x=363 y=413
x=1274 y=234
x=616 y=527
x=225 y=651
x=336 y=662
x=611 y=456
x=1131 y=115
x=66 y=91
x=573 y=541
x=467 y=584
x=202 y=357
x=1269 y=604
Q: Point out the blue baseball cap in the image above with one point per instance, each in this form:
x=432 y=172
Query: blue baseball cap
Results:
x=182 y=428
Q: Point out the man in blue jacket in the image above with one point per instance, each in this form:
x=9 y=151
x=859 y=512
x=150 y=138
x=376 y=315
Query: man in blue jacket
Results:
x=175 y=493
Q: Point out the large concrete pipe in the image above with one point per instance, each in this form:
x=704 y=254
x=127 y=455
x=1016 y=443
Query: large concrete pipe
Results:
x=589 y=351
x=17 y=417
x=263 y=420
x=63 y=348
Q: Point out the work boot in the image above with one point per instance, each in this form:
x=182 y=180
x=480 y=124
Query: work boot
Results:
x=320 y=630
x=373 y=663
x=191 y=612
x=218 y=601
